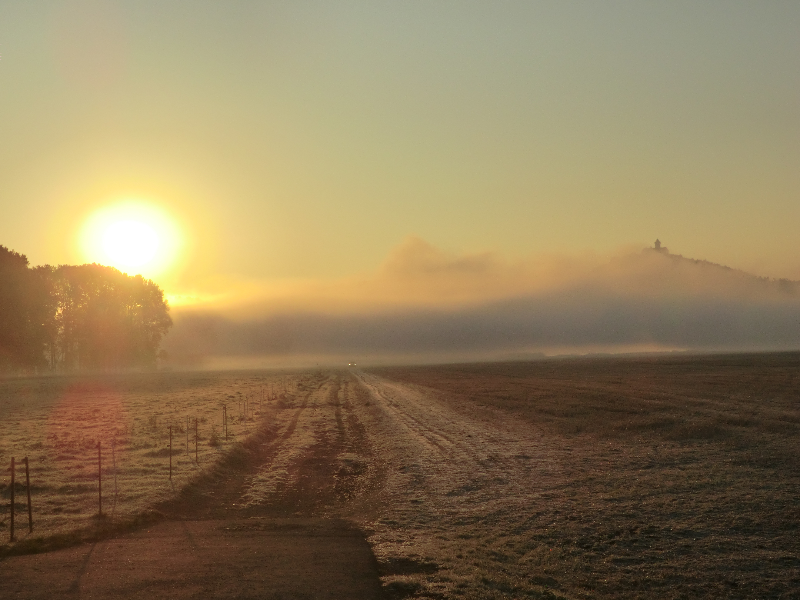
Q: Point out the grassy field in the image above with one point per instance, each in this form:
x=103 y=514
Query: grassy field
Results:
x=57 y=422
x=679 y=476
x=660 y=477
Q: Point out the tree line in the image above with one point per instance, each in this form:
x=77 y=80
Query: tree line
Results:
x=76 y=317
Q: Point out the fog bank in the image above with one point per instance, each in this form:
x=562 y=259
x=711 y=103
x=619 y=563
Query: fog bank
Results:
x=424 y=305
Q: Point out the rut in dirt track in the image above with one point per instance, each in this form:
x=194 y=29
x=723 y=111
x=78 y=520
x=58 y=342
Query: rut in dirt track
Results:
x=216 y=494
x=306 y=459
x=459 y=478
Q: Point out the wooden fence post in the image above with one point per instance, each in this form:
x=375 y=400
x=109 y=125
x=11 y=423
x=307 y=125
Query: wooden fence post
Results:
x=114 y=466
x=99 y=480
x=28 y=489
x=12 y=498
x=170 y=452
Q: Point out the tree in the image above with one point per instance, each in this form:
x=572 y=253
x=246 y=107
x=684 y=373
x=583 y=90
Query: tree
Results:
x=107 y=319
x=23 y=313
x=77 y=317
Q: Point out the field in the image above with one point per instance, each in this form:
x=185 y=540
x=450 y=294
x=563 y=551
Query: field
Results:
x=650 y=478
x=667 y=477
x=57 y=422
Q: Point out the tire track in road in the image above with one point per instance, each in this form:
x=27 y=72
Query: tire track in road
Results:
x=224 y=491
x=359 y=473
x=414 y=426
x=275 y=472
x=459 y=478
x=451 y=434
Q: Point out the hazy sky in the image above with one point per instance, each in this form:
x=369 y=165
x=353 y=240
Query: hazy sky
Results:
x=308 y=139
x=311 y=140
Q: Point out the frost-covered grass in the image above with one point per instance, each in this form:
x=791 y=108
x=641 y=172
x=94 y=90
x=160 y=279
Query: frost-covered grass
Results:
x=669 y=477
x=625 y=478
x=58 y=421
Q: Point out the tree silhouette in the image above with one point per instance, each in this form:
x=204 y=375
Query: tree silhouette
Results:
x=23 y=312
x=107 y=319
x=77 y=317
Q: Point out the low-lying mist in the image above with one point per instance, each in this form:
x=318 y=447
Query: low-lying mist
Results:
x=424 y=305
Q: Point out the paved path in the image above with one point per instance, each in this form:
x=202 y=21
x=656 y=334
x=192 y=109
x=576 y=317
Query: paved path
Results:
x=249 y=558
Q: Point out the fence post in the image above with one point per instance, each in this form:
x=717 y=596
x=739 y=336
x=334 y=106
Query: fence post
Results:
x=195 y=440
x=99 y=480
x=12 y=498
x=28 y=489
x=170 y=451
x=187 y=435
x=114 y=465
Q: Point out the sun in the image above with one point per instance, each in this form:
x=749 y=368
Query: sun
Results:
x=130 y=243
x=133 y=236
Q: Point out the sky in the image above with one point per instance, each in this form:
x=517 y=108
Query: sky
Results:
x=328 y=157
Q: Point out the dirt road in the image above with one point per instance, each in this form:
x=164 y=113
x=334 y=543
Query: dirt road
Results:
x=461 y=481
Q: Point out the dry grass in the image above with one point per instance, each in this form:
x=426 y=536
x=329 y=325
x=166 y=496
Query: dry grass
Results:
x=57 y=422
x=677 y=478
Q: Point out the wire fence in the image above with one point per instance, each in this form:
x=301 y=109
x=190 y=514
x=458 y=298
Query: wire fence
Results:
x=198 y=429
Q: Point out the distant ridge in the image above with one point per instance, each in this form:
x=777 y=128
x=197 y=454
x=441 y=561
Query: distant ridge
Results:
x=784 y=285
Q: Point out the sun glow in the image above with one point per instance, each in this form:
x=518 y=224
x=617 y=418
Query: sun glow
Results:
x=131 y=236
x=130 y=243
